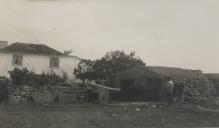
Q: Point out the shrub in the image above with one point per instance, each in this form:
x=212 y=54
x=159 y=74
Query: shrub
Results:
x=18 y=76
x=4 y=89
x=21 y=77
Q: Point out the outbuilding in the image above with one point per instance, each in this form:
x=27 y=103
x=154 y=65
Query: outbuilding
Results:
x=148 y=82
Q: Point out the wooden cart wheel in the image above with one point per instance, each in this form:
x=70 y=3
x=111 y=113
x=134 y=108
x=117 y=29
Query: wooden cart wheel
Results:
x=104 y=97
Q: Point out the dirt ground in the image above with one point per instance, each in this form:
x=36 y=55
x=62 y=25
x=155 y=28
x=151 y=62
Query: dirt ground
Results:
x=99 y=116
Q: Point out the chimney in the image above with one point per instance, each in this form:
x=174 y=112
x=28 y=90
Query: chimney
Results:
x=3 y=44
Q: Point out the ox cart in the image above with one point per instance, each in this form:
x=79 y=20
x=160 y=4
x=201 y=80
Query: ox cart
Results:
x=85 y=92
x=103 y=92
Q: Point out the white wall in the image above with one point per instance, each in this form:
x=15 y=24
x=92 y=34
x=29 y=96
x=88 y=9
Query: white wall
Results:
x=39 y=64
x=5 y=64
x=67 y=64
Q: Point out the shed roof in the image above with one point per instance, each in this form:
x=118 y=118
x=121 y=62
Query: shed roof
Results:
x=176 y=72
x=213 y=76
x=137 y=71
x=160 y=72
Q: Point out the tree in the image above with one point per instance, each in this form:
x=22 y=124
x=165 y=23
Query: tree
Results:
x=114 y=62
x=118 y=61
x=111 y=63
x=84 y=70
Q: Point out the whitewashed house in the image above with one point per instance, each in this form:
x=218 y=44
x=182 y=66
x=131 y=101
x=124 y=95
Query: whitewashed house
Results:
x=38 y=58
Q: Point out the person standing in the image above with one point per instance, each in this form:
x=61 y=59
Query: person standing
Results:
x=180 y=92
x=169 y=92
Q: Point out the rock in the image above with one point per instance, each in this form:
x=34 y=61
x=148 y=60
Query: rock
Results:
x=114 y=114
x=199 y=107
x=137 y=109
x=163 y=121
x=12 y=99
x=153 y=106
x=160 y=106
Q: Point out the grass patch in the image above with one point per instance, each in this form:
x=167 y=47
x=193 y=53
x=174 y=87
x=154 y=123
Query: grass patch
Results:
x=97 y=116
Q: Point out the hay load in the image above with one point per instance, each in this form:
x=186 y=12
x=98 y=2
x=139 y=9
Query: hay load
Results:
x=199 y=89
x=214 y=77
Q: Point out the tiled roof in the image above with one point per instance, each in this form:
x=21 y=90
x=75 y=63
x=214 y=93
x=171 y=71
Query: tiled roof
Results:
x=31 y=48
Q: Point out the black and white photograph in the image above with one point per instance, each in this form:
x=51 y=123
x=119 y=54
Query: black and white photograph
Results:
x=109 y=63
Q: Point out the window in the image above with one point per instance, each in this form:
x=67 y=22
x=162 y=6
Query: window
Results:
x=54 y=62
x=17 y=59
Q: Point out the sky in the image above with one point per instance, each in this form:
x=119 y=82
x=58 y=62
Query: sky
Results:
x=176 y=33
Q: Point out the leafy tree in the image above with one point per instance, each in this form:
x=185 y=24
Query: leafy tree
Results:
x=109 y=64
x=117 y=61
x=84 y=70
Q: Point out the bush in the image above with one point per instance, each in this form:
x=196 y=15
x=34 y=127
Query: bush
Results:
x=21 y=77
x=18 y=76
x=4 y=89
